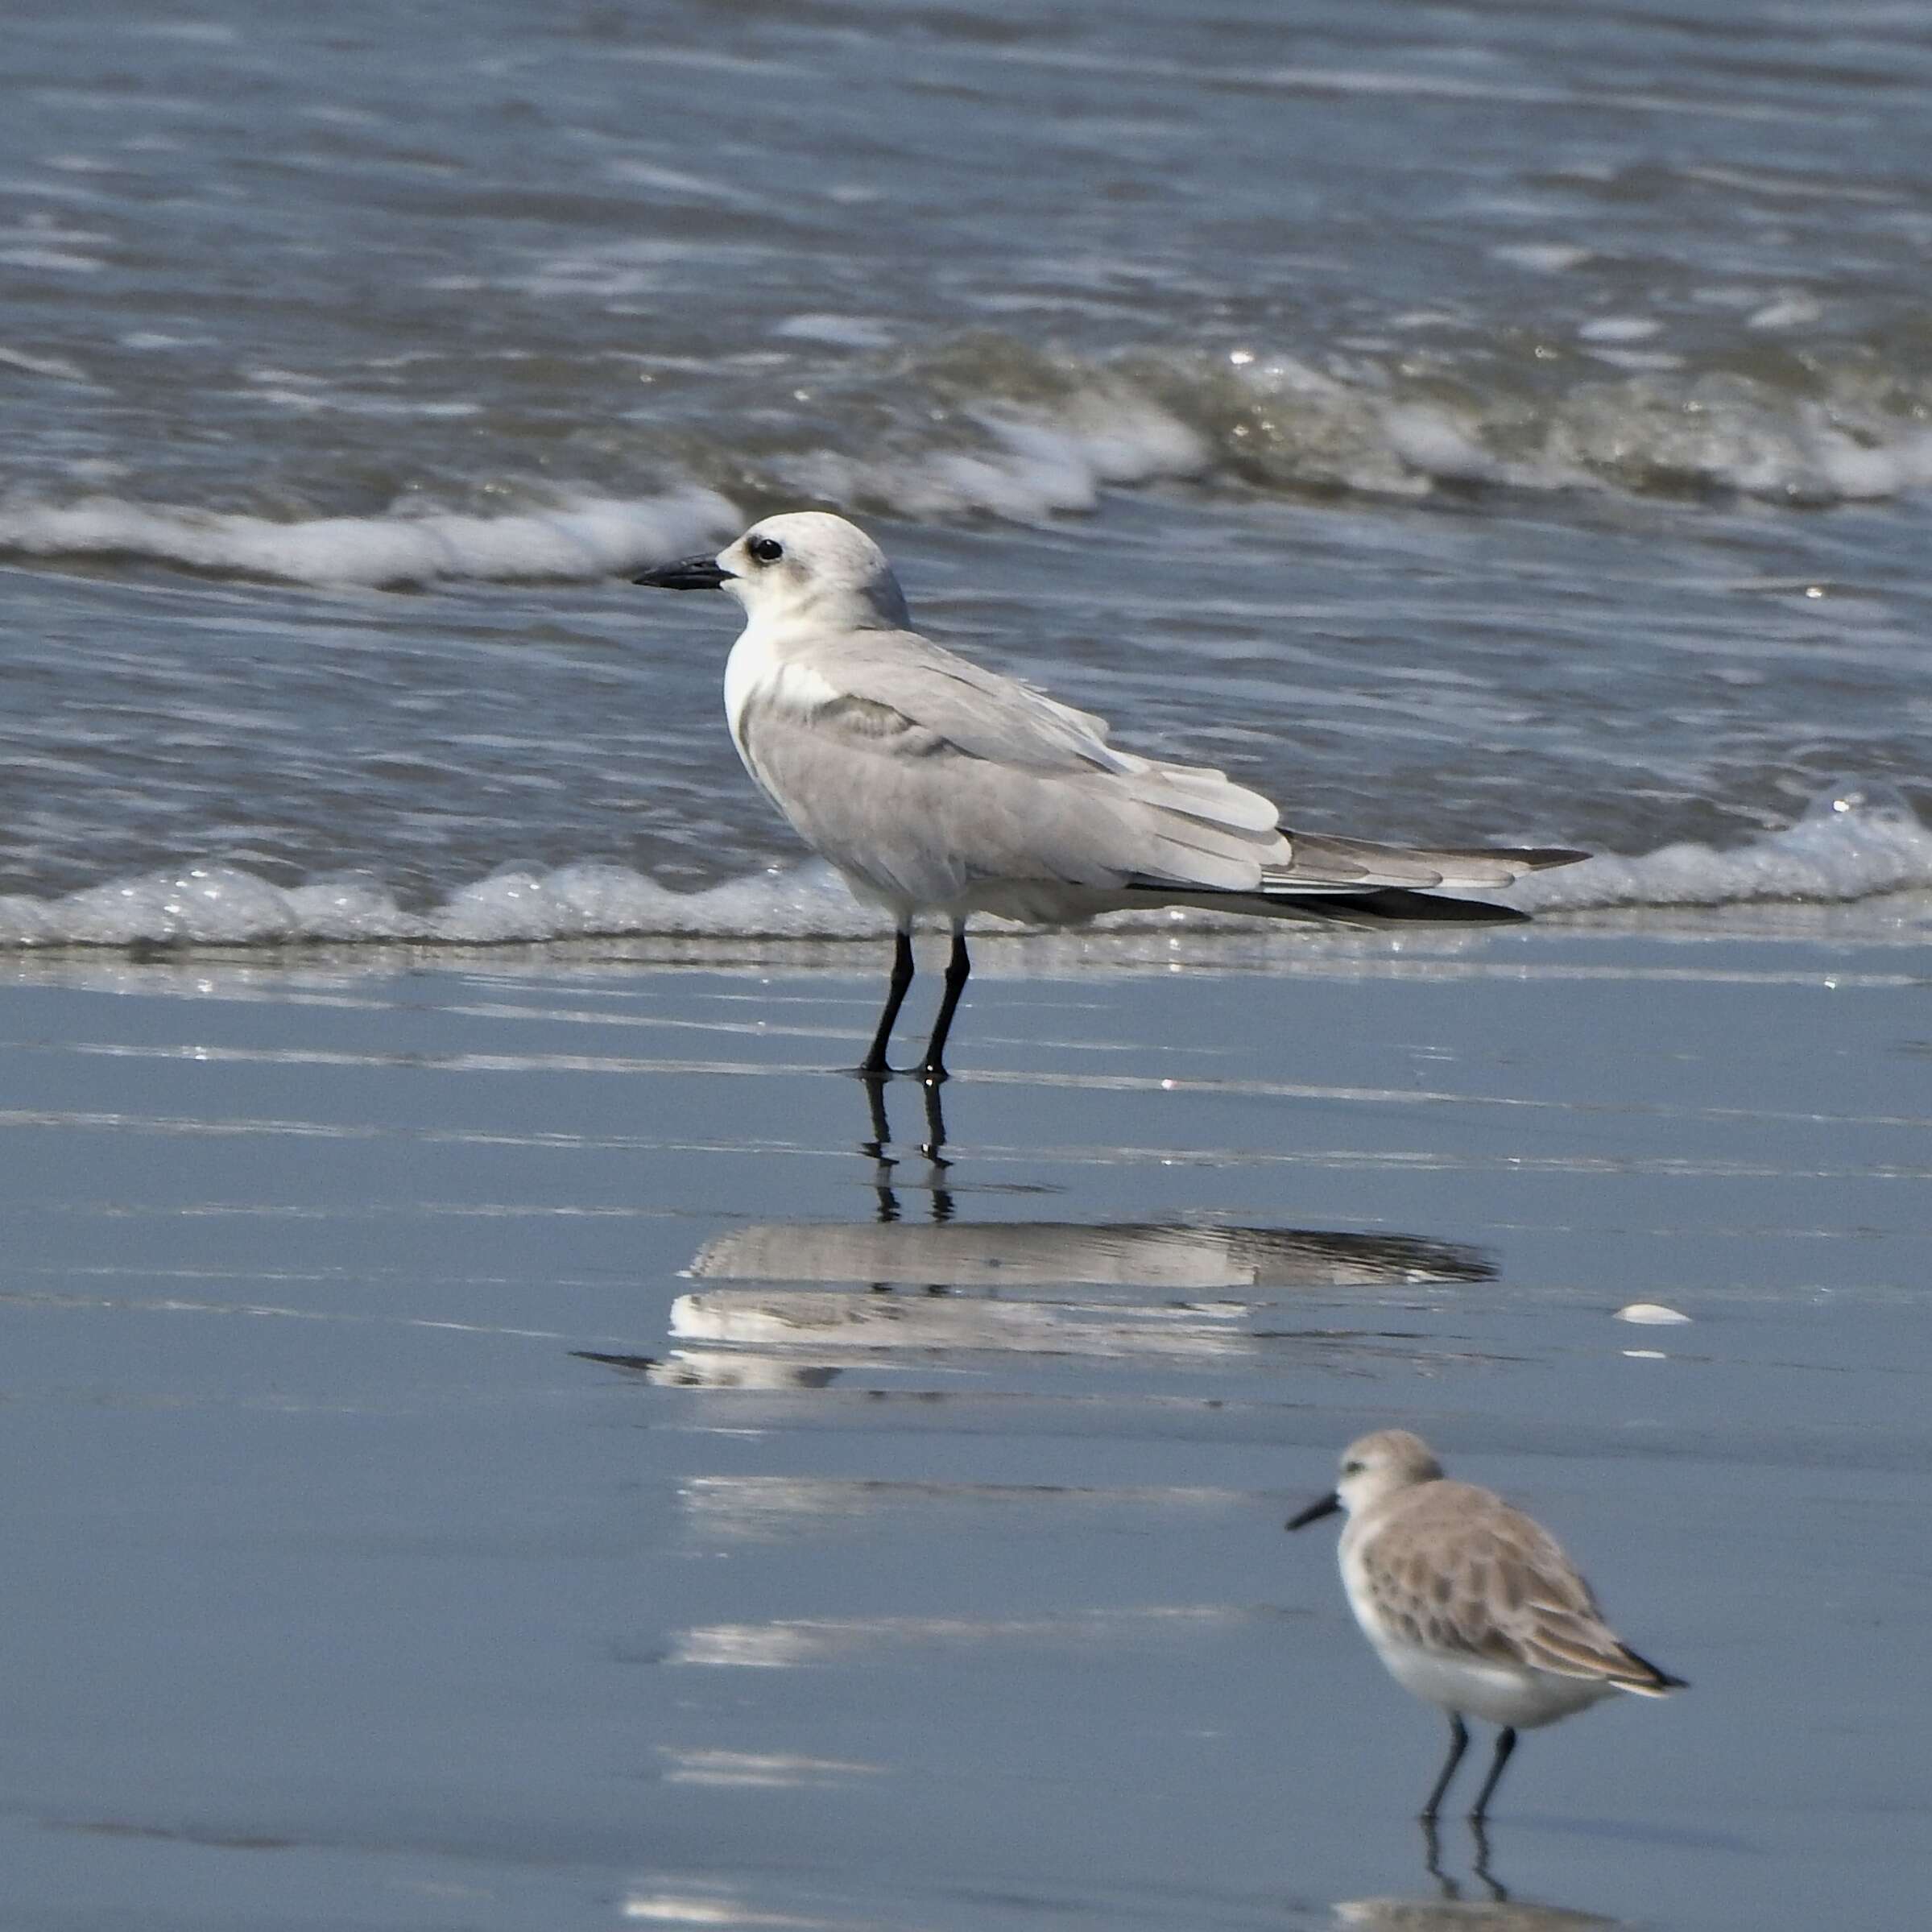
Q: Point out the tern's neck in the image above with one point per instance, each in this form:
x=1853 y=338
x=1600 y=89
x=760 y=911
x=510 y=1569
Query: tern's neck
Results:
x=875 y=607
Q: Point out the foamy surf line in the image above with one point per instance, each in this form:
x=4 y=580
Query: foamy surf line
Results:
x=1271 y=424
x=584 y=538
x=1856 y=842
x=1021 y=467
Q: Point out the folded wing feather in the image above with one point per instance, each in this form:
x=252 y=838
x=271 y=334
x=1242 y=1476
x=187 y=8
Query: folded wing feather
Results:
x=900 y=694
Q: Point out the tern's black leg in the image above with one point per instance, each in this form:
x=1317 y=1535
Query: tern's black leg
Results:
x=874 y=1061
x=1506 y=1743
x=959 y=967
x=1458 y=1742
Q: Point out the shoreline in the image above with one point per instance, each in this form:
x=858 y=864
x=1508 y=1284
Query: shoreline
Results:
x=518 y=1426
x=999 y=950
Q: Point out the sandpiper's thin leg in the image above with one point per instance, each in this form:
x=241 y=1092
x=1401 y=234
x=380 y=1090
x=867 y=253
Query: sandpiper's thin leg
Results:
x=1506 y=1743
x=1458 y=1742
x=959 y=967
x=875 y=1062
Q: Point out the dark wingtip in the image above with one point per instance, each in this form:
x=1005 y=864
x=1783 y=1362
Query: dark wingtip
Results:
x=1659 y=1679
x=1405 y=904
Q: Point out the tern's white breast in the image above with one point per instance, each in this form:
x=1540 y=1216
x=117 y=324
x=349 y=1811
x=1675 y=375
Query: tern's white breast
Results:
x=757 y=675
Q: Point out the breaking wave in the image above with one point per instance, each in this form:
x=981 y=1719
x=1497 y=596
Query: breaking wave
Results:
x=578 y=538
x=1855 y=842
x=988 y=427
x=1803 y=429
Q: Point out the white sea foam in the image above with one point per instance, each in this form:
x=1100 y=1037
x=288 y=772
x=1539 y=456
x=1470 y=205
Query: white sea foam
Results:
x=1048 y=433
x=1031 y=465
x=1000 y=430
x=578 y=539
x=1855 y=842
x=1657 y=426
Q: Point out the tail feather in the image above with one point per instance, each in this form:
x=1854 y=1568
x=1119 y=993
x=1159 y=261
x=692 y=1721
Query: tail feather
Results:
x=1318 y=861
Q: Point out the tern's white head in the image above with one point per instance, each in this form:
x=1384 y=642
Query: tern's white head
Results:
x=1374 y=1467
x=807 y=566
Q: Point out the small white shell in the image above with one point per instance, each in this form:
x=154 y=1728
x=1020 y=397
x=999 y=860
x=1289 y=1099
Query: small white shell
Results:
x=1650 y=1314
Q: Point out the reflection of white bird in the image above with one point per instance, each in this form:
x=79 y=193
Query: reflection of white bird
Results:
x=1006 y=1255
x=934 y=786
x=1471 y=1605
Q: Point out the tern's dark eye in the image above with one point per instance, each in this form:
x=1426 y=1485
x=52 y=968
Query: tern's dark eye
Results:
x=1351 y=1469
x=767 y=549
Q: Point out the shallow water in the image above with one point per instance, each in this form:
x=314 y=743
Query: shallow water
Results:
x=1473 y=421
x=493 y=1447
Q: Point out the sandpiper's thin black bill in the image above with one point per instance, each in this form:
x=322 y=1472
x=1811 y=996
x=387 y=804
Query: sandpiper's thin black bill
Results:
x=1323 y=1506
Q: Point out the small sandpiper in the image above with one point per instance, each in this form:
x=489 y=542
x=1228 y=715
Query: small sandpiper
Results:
x=1470 y=1604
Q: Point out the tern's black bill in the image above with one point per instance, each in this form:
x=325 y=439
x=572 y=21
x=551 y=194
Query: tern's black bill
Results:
x=1323 y=1506
x=692 y=574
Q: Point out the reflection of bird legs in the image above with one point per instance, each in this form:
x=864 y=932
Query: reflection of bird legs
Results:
x=884 y=1163
x=935 y=1139
x=874 y=1149
x=1478 y=1832
x=1432 y=1862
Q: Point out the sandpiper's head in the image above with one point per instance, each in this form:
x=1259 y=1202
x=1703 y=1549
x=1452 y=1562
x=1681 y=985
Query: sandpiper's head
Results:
x=806 y=564
x=1372 y=1467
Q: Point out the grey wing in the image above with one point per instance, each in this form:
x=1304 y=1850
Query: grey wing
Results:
x=1420 y=1585
x=1102 y=815
x=1198 y=828
x=1475 y=1576
x=913 y=769
x=1561 y=1628
x=977 y=711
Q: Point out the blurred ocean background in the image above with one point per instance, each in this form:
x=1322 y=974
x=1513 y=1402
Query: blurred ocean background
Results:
x=1506 y=420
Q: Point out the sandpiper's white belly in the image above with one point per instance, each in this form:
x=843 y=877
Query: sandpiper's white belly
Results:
x=1499 y=1694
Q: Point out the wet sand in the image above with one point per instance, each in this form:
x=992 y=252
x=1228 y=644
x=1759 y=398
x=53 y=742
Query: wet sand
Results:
x=487 y=1442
